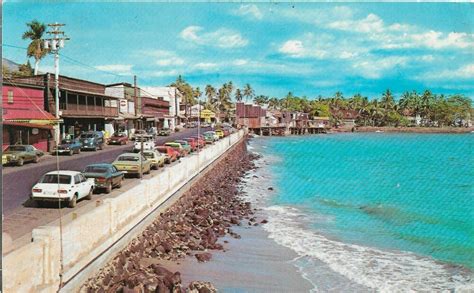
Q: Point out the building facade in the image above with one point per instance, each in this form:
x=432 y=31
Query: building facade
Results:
x=24 y=119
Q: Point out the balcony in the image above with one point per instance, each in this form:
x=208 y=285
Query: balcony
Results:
x=74 y=110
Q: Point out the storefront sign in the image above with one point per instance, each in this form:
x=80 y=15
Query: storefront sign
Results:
x=123 y=106
x=34 y=131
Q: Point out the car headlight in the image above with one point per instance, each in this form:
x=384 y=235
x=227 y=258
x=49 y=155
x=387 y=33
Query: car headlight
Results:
x=86 y=141
x=13 y=157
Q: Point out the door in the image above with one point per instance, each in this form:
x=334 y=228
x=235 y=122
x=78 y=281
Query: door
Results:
x=77 y=188
x=85 y=186
x=116 y=178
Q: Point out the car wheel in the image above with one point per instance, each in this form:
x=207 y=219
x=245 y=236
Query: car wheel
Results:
x=39 y=204
x=71 y=152
x=20 y=162
x=101 y=147
x=120 y=183
x=148 y=172
x=108 y=189
x=36 y=159
x=140 y=176
x=89 y=195
x=78 y=151
x=73 y=201
x=94 y=149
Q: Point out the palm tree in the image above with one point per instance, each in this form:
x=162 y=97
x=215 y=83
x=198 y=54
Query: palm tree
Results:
x=210 y=94
x=248 y=92
x=36 y=47
x=260 y=100
x=387 y=100
x=238 y=95
x=273 y=103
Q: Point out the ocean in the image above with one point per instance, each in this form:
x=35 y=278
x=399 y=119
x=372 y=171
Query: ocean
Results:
x=371 y=211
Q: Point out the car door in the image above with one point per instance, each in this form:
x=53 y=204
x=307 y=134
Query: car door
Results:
x=114 y=175
x=77 y=185
x=85 y=186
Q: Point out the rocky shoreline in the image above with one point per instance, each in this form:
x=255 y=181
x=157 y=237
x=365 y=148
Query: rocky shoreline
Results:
x=414 y=129
x=191 y=227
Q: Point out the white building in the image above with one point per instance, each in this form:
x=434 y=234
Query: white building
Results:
x=174 y=97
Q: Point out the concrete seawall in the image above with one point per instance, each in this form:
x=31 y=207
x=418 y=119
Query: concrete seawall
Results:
x=36 y=267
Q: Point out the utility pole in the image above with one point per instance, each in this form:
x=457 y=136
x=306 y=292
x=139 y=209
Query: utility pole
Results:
x=54 y=43
x=140 y=124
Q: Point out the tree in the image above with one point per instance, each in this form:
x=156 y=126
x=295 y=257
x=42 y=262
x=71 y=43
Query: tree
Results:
x=36 y=47
x=187 y=91
x=238 y=95
x=211 y=95
x=248 y=92
x=387 y=100
x=261 y=100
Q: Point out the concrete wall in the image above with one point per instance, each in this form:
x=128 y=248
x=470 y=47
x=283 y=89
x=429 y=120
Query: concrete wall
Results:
x=36 y=267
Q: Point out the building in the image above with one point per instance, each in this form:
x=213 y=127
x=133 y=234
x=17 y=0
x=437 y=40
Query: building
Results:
x=83 y=105
x=198 y=111
x=155 y=110
x=25 y=120
x=174 y=97
x=251 y=116
x=127 y=120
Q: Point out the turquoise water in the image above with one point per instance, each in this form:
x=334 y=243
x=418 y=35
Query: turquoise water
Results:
x=396 y=192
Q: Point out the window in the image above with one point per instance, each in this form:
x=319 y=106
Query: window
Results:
x=83 y=179
x=77 y=179
x=10 y=97
x=55 y=179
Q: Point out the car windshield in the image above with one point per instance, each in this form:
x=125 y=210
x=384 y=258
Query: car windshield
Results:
x=119 y=134
x=162 y=150
x=66 y=141
x=128 y=158
x=140 y=139
x=87 y=135
x=16 y=148
x=95 y=169
x=148 y=155
x=53 y=179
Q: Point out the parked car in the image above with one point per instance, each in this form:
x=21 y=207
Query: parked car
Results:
x=152 y=131
x=213 y=133
x=200 y=140
x=68 y=146
x=193 y=142
x=178 y=147
x=148 y=143
x=139 y=132
x=209 y=138
x=185 y=145
x=156 y=158
x=226 y=132
x=92 y=140
x=132 y=163
x=106 y=176
x=170 y=154
x=219 y=133
x=68 y=186
x=164 y=132
x=20 y=154
x=118 y=138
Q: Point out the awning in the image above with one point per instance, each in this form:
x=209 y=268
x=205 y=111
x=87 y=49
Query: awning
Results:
x=128 y=116
x=150 y=119
x=36 y=121
x=29 y=125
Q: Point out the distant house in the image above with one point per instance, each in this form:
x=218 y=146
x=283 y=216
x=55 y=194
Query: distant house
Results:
x=174 y=98
x=25 y=120
x=345 y=118
x=251 y=116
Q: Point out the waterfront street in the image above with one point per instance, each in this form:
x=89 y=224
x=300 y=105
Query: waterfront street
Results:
x=21 y=215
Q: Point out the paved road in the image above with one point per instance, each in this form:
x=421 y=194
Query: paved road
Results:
x=18 y=181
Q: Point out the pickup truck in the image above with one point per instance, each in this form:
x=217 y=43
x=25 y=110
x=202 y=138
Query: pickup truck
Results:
x=148 y=143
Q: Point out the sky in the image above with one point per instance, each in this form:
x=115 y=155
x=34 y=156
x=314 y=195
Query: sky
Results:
x=308 y=49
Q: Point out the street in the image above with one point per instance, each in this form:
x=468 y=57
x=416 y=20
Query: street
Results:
x=18 y=181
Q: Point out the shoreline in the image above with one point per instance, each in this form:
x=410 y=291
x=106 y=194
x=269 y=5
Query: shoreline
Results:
x=211 y=223
x=454 y=130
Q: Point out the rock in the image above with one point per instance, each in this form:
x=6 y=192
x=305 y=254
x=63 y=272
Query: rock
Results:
x=264 y=221
x=203 y=257
x=201 y=287
x=270 y=188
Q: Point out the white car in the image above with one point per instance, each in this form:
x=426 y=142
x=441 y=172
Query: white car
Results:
x=148 y=143
x=69 y=186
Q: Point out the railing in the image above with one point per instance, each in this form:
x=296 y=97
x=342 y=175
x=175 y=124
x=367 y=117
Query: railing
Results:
x=89 y=110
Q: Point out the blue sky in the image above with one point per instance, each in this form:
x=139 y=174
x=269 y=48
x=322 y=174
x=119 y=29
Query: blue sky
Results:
x=308 y=49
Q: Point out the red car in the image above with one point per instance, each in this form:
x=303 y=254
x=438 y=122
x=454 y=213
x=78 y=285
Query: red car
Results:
x=118 y=138
x=192 y=142
x=200 y=139
x=170 y=153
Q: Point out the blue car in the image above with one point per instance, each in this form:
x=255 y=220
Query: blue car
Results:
x=68 y=147
x=106 y=176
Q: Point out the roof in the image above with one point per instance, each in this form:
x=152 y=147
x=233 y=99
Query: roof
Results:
x=129 y=154
x=26 y=114
x=64 y=172
x=20 y=84
x=89 y=93
x=100 y=165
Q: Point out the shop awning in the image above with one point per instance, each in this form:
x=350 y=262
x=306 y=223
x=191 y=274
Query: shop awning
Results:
x=26 y=124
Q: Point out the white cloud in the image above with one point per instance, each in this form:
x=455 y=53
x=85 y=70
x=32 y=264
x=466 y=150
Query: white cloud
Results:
x=222 y=38
x=120 y=69
x=465 y=72
x=205 y=65
x=240 y=62
x=164 y=73
x=374 y=68
x=249 y=10
x=371 y=24
x=171 y=61
x=293 y=48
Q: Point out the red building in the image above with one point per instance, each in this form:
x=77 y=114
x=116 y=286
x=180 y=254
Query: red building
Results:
x=25 y=120
x=252 y=116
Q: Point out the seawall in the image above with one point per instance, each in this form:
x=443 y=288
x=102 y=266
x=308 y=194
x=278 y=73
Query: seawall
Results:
x=40 y=266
